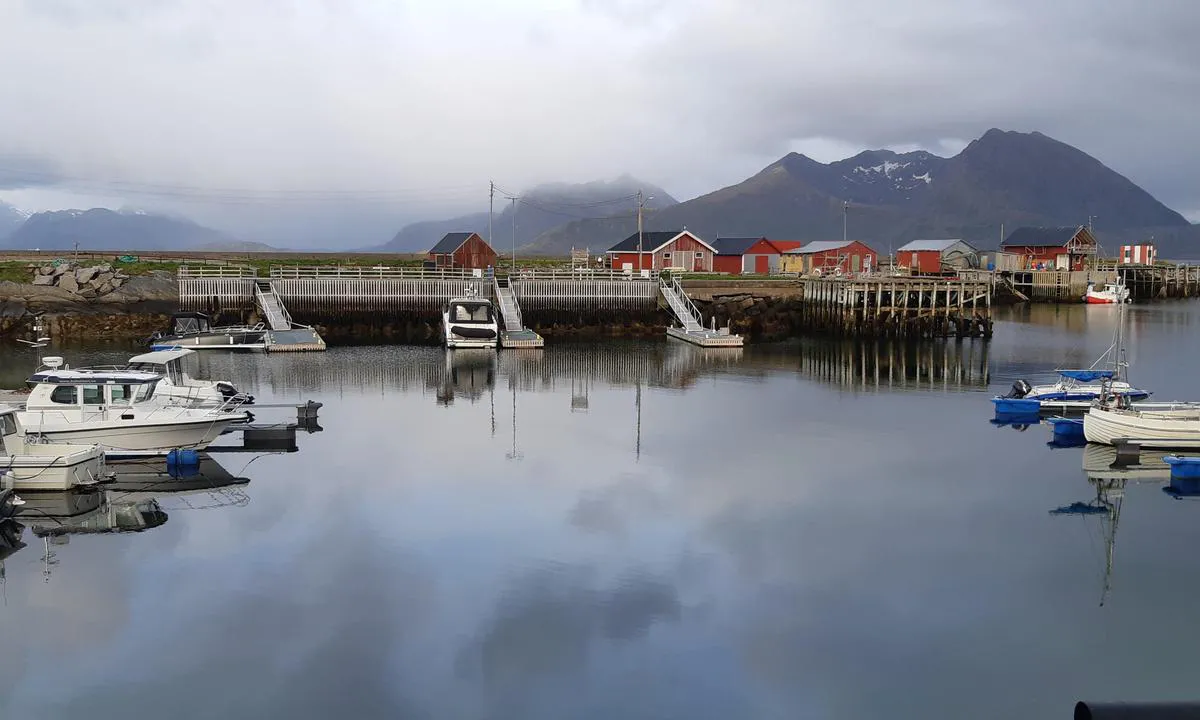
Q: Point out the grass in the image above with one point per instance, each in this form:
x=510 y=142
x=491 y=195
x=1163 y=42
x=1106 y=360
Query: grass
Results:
x=17 y=272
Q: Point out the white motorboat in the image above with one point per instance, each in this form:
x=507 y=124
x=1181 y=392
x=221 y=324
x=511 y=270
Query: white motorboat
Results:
x=470 y=322
x=1106 y=294
x=179 y=367
x=119 y=410
x=1074 y=390
x=28 y=465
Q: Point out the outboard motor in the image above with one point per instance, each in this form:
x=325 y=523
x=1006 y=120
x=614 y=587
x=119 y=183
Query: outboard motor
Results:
x=1020 y=389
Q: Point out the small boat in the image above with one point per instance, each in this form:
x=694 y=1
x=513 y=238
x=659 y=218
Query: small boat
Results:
x=470 y=322
x=178 y=367
x=1074 y=390
x=28 y=465
x=193 y=330
x=1106 y=294
x=1165 y=425
x=118 y=410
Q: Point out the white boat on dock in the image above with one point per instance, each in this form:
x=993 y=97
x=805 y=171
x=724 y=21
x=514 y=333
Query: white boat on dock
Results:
x=179 y=368
x=470 y=322
x=118 y=410
x=194 y=330
x=27 y=465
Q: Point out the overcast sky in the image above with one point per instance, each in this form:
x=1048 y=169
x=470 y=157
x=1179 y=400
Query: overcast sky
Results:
x=242 y=112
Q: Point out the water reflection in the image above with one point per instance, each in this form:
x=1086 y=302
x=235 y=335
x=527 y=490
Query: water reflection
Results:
x=139 y=498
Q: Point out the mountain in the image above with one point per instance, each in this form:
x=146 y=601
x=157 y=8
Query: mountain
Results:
x=102 y=229
x=538 y=210
x=1002 y=178
x=10 y=219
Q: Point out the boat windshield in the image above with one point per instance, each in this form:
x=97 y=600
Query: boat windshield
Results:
x=145 y=391
x=471 y=312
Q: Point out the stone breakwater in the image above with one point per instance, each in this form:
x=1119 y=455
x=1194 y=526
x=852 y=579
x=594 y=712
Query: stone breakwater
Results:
x=758 y=318
x=92 y=302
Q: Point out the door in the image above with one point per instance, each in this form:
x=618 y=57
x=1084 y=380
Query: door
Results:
x=762 y=264
x=93 y=402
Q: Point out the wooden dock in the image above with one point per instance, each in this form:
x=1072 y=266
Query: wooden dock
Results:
x=897 y=307
x=1160 y=281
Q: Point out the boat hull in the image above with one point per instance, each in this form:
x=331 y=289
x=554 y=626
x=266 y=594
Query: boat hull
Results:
x=1173 y=429
x=250 y=340
x=50 y=469
x=141 y=439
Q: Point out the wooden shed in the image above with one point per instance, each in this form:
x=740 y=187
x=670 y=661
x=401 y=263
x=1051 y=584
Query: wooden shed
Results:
x=933 y=257
x=1052 y=248
x=743 y=256
x=672 y=249
x=462 y=250
x=830 y=257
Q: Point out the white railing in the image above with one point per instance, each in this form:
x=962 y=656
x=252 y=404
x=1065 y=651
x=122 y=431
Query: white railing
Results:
x=509 y=307
x=277 y=315
x=216 y=271
x=351 y=272
x=682 y=305
x=582 y=274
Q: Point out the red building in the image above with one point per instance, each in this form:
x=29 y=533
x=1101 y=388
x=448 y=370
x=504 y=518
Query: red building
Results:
x=674 y=249
x=462 y=250
x=1143 y=254
x=830 y=257
x=934 y=257
x=1052 y=248
x=738 y=256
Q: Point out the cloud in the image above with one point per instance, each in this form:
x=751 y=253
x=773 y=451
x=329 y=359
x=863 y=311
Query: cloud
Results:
x=268 y=114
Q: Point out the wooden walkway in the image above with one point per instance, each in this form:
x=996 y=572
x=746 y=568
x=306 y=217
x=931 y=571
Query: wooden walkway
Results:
x=898 y=307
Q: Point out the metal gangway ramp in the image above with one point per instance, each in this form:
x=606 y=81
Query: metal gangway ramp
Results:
x=691 y=322
x=514 y=334
x=284 y=336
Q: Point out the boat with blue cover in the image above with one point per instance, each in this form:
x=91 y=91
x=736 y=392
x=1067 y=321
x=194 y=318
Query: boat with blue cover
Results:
x=1074 y=390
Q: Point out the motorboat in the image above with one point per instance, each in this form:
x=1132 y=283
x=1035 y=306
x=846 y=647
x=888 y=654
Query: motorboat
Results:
x=28 y=465
x=1074 y=390
x=179 y=368
x=1106 y=294
x=119 y=410
x=194 y=330
x=470 y=322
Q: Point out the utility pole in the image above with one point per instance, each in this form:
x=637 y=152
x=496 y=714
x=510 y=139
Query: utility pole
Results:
x=639 y=220
x=514 y=213
x=845 y=213
x=491 y=198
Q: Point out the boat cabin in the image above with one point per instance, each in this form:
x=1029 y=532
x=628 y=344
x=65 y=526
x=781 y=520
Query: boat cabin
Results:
x=10 y=442
x=177 y=365
x=471 y=312
x=87 y=390
x=189 y=323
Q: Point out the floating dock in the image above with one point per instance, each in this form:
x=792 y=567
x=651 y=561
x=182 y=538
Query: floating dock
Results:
x=691 y=326
x=514 y=334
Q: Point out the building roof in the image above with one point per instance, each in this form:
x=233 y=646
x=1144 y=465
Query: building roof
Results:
x=735 y=246
x=1041 y=236
x=450 y=243
x=819 y=246
x=785 y=245
x=938 y=245
x=652 y=241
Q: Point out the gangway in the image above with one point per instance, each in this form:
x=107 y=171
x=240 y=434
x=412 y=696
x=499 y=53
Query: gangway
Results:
x=514 y=334
x=691 y=323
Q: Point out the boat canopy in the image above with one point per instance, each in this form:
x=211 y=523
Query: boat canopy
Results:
x=1086 y=375
x=161 y=357
x=94 y=377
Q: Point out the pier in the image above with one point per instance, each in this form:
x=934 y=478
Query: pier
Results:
x=897 y=307
x=1159 y=281
x=691 y=323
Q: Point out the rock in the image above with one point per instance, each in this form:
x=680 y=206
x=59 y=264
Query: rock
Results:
x=42 y=279
x=12 y=308
x=104 y=288
x=46 y=270
x=117 y=282
x=68 y=282
x=89 y=292
x=84 y=275
x=104 y=268
x=102 y=278
x=58 y=270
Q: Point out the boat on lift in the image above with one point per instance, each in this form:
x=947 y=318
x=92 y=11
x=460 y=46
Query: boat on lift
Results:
x=119 y=410
x=470 y=322
x=1106 y=294
x=28 y=465
x=194 y=330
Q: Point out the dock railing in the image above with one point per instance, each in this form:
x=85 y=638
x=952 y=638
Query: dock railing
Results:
x=375 y=272
x=216 y=271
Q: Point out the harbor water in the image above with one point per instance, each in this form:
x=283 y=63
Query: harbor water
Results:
x=633 y=530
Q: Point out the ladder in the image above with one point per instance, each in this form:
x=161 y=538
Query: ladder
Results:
x=272 y=306
x=509 y=309
x=681 y=305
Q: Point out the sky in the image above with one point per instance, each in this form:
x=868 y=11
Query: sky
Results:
x=336 y=121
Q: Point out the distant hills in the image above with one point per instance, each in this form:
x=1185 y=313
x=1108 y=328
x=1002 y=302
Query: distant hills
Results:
x=539 y=211
x=1002 y=178
x=103 y=229
x=10 y=219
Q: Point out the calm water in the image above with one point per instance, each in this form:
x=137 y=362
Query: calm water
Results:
x=632 y=531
